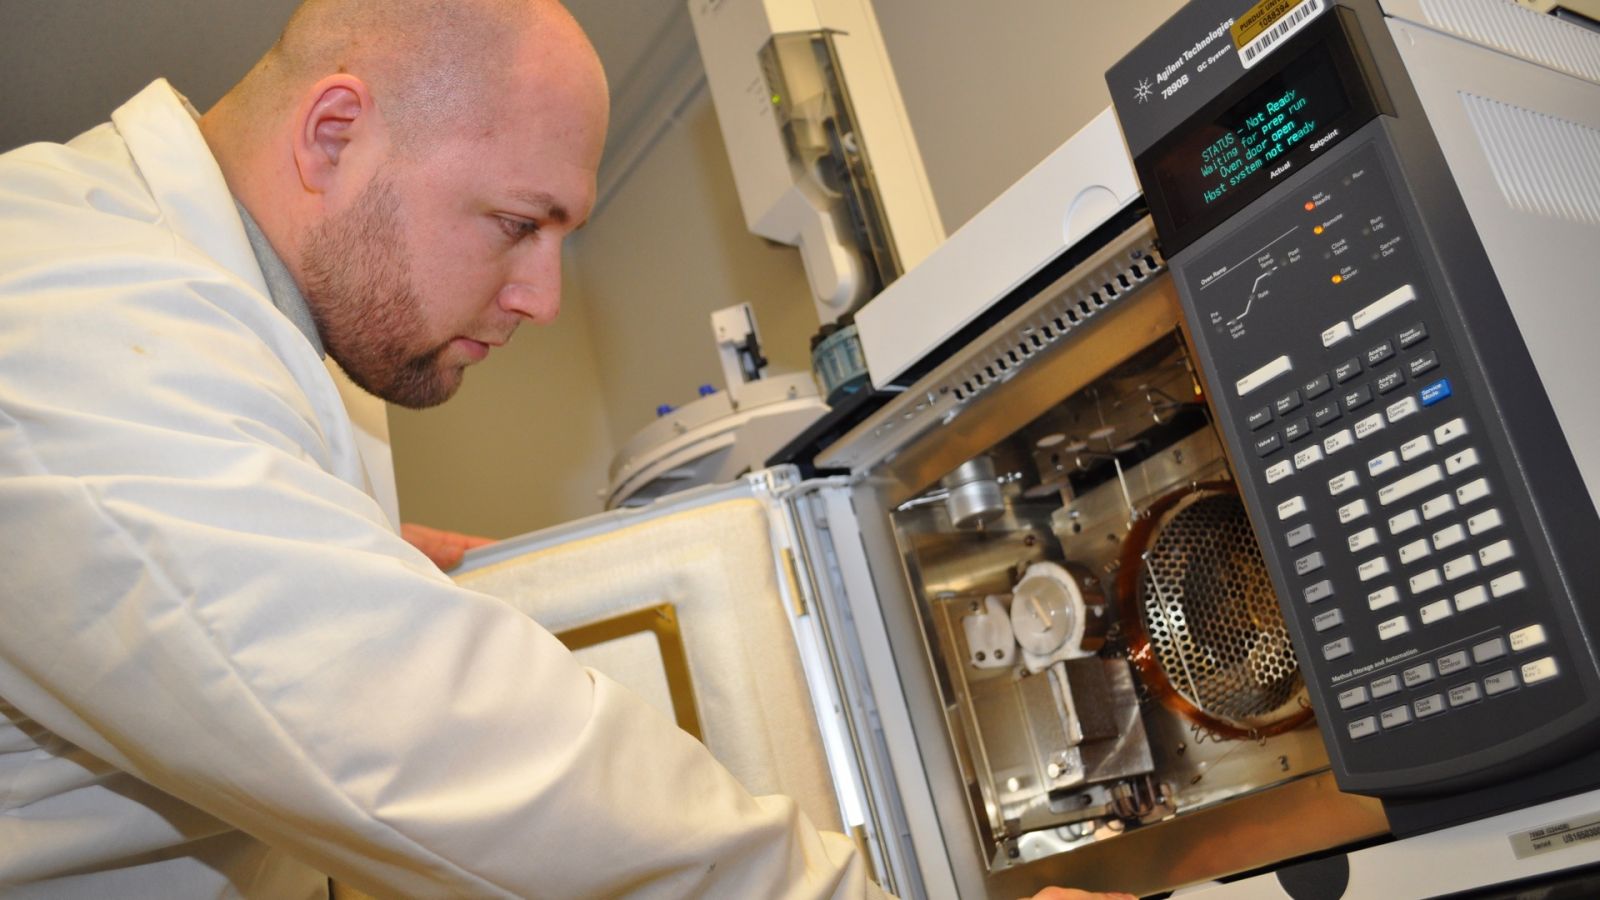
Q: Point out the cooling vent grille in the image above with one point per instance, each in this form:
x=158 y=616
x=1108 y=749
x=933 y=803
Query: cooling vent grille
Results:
x=1521 y=32
x=1542 y=165
x=1076 y=305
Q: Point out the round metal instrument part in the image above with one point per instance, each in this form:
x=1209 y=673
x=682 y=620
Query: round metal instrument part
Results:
x=1206 y=630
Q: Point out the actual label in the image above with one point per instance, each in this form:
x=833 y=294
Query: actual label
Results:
x=1583 y=829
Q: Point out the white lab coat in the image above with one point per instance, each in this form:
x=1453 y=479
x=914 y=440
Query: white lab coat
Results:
x=221 y=672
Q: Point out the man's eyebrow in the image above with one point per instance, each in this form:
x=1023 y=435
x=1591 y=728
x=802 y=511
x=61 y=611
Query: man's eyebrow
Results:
x=544 y=201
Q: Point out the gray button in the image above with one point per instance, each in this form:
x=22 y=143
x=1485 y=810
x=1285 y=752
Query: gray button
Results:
x=1358 y=398
x=1412 y=334
x=1390 y=380
x=1322 y=590
x=1287 y=402
x=1431 y=705
x=1463 y=694
x=1300 y=535
x=1329 y=619
x=1338 y=648
x=1268 y=444
x=1353 y=697
x=1347 y=370
x=1317 y=386
x=1418 y=675
x=1326 y=412
x=1309 y=563
x=1385 y=686
x=1366 y=726
x=1380 y=353
x=1490 y=649
x=1259 y=417
x=1395 y=716
x=1500 y=682
x=1455 y=662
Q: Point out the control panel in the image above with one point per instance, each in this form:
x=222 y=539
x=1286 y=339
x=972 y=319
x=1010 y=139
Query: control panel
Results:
x=1395 y=447
x=1413 y=579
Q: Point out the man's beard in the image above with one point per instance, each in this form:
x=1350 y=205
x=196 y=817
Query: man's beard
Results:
x=367 y=312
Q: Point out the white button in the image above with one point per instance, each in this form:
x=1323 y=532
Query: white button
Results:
x=1307 y=455
x=1539 y=670
x=1414 y=551
x=1459 y=567
x=1405 y=487
x=1261 y=376
x=1393 y=628
x=1404 y=521
x=1342 y=482
x=1353 y=697
x=1352 y=511
x=1425 y=581
x=1449 y=431
x=1415 y=447
x=1369 y=426
x=1487 y=520
x=1509 y=583
x=1448 y=537
x=1477 y=595
x=1372 y=568
x=1362 y=539
x=1523 y=638
x=1386 y=596
x=1433 y=612
x=1462 y=461
x=1400 y=409
x=1472 y=491
x=1382 y=306
x=1438 y=506
x=1497 y=552
x=1291 y=507
x=1381 y=465
x=1279 y=470
x=1336 y=333
x=1333 y=443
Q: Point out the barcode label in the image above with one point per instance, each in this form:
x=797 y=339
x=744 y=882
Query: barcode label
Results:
x=1267 y=41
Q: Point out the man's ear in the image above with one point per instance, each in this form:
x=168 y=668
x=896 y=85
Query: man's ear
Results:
x=336 y=115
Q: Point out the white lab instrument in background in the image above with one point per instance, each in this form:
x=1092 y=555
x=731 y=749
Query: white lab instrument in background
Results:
x=819 y=141
x=723 y=434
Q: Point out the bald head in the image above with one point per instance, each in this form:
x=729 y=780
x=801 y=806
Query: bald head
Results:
x=431 y=64
x=417 y=164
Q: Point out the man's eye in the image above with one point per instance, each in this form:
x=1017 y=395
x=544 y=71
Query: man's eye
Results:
x=518 y=228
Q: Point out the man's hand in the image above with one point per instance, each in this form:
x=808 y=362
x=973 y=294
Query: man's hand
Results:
x=1076 y=894
x=445 y=548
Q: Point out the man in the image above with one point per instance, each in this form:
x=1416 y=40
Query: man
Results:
x=221 y=672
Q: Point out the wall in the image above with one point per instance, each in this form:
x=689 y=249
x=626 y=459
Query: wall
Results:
x=668 y=248
x=991 y=88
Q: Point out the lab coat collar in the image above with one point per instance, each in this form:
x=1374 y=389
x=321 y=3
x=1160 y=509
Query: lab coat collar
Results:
x=162 y=133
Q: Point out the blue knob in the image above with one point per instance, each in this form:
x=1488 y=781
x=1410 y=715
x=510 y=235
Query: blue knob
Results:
x=664 y=409
x=707 y=390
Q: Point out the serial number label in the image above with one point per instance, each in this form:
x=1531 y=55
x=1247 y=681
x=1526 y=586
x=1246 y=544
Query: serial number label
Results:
x=1555 y=836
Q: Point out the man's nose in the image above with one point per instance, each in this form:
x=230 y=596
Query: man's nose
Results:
x=538 y=302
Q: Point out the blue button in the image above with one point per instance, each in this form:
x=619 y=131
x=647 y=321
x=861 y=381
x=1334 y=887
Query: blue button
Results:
x=664 y=409
x=1435 y=392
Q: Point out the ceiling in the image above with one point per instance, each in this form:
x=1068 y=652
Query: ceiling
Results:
x=65 y=64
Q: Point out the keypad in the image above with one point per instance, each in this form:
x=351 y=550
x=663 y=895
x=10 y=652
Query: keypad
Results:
x=1424 y=533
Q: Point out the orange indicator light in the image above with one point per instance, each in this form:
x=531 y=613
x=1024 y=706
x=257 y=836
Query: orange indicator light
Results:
x=1310 y=206
x=1317 y=230
x=1338 y=278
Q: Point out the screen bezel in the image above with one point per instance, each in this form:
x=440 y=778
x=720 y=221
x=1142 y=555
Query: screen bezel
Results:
x=1355 y=75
